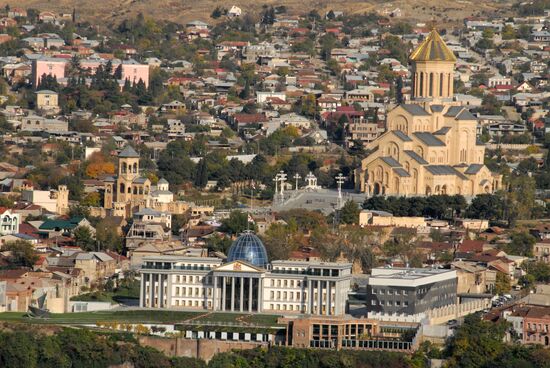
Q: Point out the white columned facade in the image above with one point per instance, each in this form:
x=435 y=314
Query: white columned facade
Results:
x=223 y=293
x=241 y=292
x=215 y=294
x=232 y=294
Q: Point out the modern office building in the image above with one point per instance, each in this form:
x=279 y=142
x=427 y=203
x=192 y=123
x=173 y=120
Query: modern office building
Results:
x=246 y=282
x=409 y=291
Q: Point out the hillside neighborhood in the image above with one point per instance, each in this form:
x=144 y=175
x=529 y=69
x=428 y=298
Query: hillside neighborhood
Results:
x=332 y=181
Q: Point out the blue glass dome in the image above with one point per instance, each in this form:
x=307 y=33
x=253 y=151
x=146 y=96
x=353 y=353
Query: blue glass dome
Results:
x=249 y=248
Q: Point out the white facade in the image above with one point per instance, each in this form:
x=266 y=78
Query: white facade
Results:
x=203 y=283
x=9 y=222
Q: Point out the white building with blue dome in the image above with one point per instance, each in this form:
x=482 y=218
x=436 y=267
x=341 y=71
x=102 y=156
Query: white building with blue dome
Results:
x=246 y=282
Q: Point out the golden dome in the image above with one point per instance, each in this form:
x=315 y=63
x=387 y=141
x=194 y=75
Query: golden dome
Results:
x=433 y=48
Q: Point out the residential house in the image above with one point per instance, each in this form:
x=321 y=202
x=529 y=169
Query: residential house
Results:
x=9 y=221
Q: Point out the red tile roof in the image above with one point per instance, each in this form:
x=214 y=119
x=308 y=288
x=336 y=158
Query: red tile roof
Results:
x=471 y=246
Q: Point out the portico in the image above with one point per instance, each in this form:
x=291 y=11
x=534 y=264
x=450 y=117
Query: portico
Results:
x=238 y=288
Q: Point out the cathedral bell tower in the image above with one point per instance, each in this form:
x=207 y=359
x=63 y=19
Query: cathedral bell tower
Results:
x=433 y=69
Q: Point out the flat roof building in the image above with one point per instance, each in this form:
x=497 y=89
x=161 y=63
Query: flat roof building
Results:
x=409 y=291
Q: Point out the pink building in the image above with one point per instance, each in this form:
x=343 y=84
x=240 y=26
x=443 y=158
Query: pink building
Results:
x=131 y=69
x=134 y=71
x=49 y=66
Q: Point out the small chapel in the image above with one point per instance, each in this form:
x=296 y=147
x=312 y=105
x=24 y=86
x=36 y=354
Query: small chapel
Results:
x=430 y=146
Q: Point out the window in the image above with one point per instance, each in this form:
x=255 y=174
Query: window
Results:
x=373 y=302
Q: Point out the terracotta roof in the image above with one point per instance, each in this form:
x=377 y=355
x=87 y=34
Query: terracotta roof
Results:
x=12 y=274
x=471 y=246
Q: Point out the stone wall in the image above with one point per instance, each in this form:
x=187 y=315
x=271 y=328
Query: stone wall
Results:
x=195 y=348
x=444 y=314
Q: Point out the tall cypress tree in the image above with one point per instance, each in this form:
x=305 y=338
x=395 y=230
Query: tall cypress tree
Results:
x=202 y=174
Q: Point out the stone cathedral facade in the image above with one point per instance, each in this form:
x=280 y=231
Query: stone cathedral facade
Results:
x=430 y=146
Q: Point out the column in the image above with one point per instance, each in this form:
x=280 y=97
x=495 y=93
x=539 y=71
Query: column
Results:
x=161 y=290
x=232 y=294
x=450 y=84
x=310 y=301
x=337 y=298
x=251 y=280
x=241 y=292
x=260 y=295
x=142 y=290
x=329 y=299
x=320 y=297
x=223 y=293
x=168 y=291
x=151 y=290
x=215 y=294
x=425 y=88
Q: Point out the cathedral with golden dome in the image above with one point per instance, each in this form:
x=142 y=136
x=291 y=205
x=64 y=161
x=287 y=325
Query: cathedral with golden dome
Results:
x=430 y=145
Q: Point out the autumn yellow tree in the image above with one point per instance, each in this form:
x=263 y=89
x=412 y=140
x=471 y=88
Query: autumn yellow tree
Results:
x=99 y=165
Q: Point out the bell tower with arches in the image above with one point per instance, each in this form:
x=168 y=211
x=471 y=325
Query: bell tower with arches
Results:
x=433 y=69
x=128 y=170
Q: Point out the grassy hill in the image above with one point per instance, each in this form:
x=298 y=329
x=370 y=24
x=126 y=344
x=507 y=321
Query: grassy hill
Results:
x=112 y=11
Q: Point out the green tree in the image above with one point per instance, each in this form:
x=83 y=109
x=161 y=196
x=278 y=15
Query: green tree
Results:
x=201 y=179
x=228 y=360
x=107 y=235
x=540 y=271
x=84 y=238
x=277 y=241
x=508 y=32
x=519 y=198
x=349 y=214
x=334 y=67
x=486 y=206
x=21 y=253
x=78 y=211
x=216 y=13
x=521 y=244
x=402 y=245
x=502 y=283
x=476 y=343
x=218 y=243
x=309 y=105
x=91 y=200
x=236 y=223
x=18 y=350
